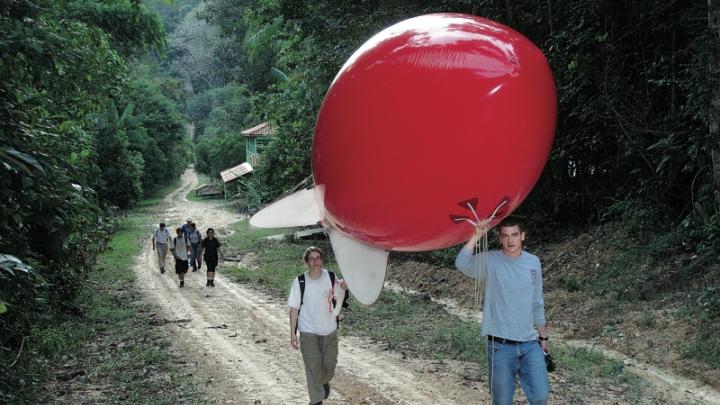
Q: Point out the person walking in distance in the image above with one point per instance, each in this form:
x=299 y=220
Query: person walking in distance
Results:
x=311 y=313
x=210 y=250
x=195 y=238
x=161 y=237
x=513 y=313
x=180 y=248
x=186 y=226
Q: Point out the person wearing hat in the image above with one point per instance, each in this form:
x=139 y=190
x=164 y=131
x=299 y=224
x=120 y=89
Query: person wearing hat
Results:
x=186 y=226
x=160 y=240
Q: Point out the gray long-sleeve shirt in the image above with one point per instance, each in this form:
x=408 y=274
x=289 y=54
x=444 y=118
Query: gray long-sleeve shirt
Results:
x=513 y=299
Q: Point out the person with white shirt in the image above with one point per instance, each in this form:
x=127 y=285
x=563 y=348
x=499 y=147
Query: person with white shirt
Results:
x=180 y=247
x=160 y=240
x=311 y=303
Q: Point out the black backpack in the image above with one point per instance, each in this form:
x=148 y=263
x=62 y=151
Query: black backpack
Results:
x=301 y=281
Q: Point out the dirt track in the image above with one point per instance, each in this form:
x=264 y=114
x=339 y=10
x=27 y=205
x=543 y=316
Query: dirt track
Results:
x=236 y=339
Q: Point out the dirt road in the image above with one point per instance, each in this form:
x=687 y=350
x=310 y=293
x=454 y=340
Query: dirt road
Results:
x=236 y=339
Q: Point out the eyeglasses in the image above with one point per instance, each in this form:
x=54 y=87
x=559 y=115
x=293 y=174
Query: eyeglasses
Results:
x=314 y=258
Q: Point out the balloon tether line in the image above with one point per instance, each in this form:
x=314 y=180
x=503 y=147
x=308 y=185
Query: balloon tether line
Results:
x=480 y=252
x=472 y=209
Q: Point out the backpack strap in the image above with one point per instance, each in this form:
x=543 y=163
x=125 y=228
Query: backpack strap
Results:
x=301 y=281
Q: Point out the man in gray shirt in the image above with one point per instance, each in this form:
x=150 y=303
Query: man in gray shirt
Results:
x=513 y=313
x=195 y=237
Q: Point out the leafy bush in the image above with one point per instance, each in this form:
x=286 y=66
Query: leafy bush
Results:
x=709 y=302
x=68 y=157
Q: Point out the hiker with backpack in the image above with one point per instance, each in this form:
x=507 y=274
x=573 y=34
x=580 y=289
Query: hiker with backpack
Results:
x=180 y=247
x=312 y=307
x=195 y=237
x=160 y=240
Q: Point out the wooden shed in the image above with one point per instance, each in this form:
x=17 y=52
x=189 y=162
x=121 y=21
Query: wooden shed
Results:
x=209 y=191
x=234 y=173
x=256 y=140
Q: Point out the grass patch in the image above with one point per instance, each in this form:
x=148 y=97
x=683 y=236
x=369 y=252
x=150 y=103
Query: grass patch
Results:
x=413 y=324
x=108 y=350
x=705 y=346
x=581 y=367
x=705 y=315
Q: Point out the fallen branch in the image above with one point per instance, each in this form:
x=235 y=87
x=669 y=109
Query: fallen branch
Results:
x=20 y=352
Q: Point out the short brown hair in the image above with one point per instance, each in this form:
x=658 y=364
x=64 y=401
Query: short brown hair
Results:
x=511 y=221
x=313 y=249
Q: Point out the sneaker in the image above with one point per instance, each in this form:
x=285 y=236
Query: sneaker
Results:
x=212 y=283
x=326 y=387
x=162 y=270
x=207 y=284
x=194 y=270
x=182 y=283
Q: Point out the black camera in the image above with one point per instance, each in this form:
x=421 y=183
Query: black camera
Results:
x=549 y=362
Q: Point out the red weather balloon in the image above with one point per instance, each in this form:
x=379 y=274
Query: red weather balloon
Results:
x=430 y=113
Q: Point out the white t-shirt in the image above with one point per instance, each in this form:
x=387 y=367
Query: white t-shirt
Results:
x=315 y=315
x=182 y=247
x=162 y=236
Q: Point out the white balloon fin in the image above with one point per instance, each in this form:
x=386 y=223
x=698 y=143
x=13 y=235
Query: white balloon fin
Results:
x=297 y=209
x=339 y=297
x=362 y=266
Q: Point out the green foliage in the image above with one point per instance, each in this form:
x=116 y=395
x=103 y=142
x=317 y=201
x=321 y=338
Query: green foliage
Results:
x=219 y=116
x=171 y=12
x=158 y=134
x=709 y=302
x=109 y=336
x=130 y=26
x=121 y=168
x=76 y=130
x=191 y=50
x=220 y=110
x=248 y=198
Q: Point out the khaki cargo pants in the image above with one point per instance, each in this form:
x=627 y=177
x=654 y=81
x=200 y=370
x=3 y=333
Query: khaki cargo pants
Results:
x=320 y=357
x=161 y=250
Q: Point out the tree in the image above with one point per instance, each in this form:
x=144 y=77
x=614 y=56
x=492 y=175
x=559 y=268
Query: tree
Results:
x=122 y=169
x=191 y=46
x=714 y=84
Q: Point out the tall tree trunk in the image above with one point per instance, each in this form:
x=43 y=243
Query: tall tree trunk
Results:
x=714 y=82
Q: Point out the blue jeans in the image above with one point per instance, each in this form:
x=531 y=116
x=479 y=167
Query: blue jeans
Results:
x=194 y=255
x=526 y=360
